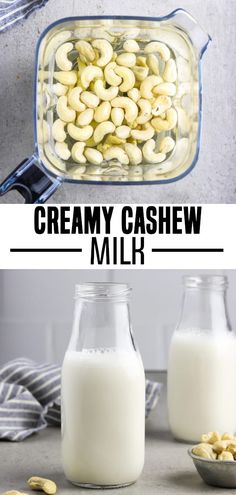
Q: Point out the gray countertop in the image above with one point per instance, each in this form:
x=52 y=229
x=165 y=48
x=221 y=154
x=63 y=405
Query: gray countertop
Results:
x=168 y=468
x=214 y=178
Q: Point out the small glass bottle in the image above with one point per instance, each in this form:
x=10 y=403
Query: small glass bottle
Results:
x=103 y=391
x=202 y=362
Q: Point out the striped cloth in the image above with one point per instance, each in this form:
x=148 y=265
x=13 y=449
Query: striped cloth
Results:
x=30 y=398
x=12 y=11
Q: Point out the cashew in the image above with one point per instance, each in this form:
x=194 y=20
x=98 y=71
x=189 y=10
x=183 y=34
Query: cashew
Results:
x=226 y=456
x=117 y=116
x=102 y=112
x=130 y=107
x=211 y=437
x=89 y=99
x=74 y=99
x=221 y=445
x=102 y=129
x=202 y=451
x=123 y=131
x=161 y=125
x=110 y=76
x=43 y=131
x=58 y=132
x=134 y=94
x=146 y=111
x=140 y=72
x=61 y=56
x=128 y=78
x=90 y=73
x=170 y=72
x=232 y=448
x=126 y=59
x=115 y=152
x=53 y=44
x=80 y=133
x=134 y=153
x=166 y=89
x=167 y=144
x=111 y=140
x=160 y=105
x=93 y=156
x=105 y=50
x=149 y=153
x=153 y=63
x=85 y=117
x=103 y=93
x=64 y=112
x=47 y=486
x=161 y=48
x=84 y=48
x=147 y=86
x=143 y=135
x=131 y=46
x=13 y=492
x=227 y=436
x=77 y=152
x=62 y=150
x=59 y=89
x=69 y=78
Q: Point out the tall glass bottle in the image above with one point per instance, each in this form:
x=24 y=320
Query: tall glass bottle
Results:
x=202 y=362
x=103 y=391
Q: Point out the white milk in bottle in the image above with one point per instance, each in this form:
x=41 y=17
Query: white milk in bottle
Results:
x=202 y=363
x=103 y=392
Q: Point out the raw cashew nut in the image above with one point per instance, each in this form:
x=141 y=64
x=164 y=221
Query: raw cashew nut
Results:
x=58 y=132
x=53 y=44
x=146 y=111
x=127 y=76
x=80 y=133
x=170 y=72
x=123 y=131
x=143 y=135
x=171 y=117
x=115 y=152
x=47 y=486
x=102 y=129
x=149 y=152
x=160 y=105
x=134 y=94
x=117 y=116
x=74 y=99
x=147 y=86
x=69 y=78
x=126 y=59
x=105 y=50
x=63 y=111
x=226 y=456
x=62 y=150
x=90 y=73
x=168 y=124
x=166 y=89
x=103 y=93
x=211 y=437
x=167 y=144
x=202 y=450
x=59 y=89
x=61 y=56
x=157 y=47
x=93 y=156
x=110 y=76
x=84 y=48
x=85 y=117
x=130 y=107
x=13 y=492
x=131 y=46
x=77 y=152
x=134 y=153
x=140 y=72
x=102 y=112
x=153 y=63
x=89 y=99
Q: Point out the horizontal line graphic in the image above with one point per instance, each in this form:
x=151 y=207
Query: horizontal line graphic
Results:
x=187 y=250
x=45 y=250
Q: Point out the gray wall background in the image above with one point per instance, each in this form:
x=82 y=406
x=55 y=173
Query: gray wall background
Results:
x=213 y=179
x=36 y=310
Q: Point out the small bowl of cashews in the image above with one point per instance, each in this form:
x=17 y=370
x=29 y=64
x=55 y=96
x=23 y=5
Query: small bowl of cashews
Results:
x=215 y=459
x=117 y=100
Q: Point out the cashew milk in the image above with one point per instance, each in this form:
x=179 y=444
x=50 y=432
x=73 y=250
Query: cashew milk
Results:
x=202 y=383
x=103 y=415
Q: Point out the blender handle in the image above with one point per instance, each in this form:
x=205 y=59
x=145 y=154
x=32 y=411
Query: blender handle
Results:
x=30 y=181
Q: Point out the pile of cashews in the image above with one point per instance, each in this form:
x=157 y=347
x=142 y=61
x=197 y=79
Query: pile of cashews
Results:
x=114 y=107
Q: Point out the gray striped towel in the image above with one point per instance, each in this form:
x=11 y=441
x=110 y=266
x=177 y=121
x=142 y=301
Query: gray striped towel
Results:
x=12 y=11
x=30 y=398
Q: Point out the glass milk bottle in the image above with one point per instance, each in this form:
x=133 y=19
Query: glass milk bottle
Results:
x=202 y=362
x=103 y=391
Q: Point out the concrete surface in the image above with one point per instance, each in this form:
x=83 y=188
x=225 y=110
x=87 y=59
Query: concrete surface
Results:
x=168 y=468
x=214 y=178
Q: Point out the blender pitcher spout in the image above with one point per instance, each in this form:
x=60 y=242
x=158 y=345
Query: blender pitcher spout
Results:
x=199 y=37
